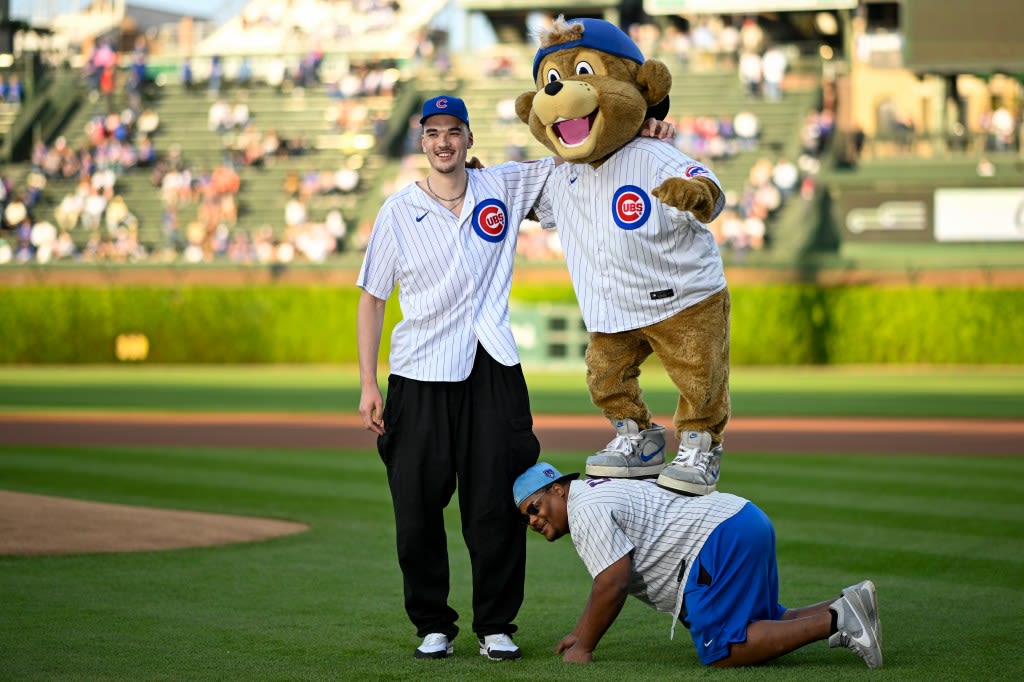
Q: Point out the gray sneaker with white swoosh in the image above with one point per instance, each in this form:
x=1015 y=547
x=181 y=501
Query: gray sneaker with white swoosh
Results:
x=864 y=596
x=695 y=469
x=631 y=454
x=857 y=623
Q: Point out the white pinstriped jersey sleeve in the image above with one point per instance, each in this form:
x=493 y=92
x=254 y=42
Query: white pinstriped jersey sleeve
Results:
x=609 y=518
x=634 y=261
x=453 y=273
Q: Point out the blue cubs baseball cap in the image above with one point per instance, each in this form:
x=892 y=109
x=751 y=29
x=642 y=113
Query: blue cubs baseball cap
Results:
x=445 y=104
x=536 y=477
x=600 y=35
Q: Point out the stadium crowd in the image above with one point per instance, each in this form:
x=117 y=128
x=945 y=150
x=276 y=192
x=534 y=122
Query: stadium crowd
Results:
x=94 y=222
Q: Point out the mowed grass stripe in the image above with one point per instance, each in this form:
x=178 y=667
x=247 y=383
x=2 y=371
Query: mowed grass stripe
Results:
x=208 y=480
x=327 y=604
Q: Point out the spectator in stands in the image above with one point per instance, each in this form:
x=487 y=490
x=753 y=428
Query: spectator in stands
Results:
x=240 y=115
x=705 y=43
x=785 y=176
x=773 y=70
x=334 y=223
x=215 y=80
x=68 y=211
x=751 y=36
x=240 y=248
x=15 y=212
x=146 y=151
x=148 y=122
x=728 y=45
x=750 y=73
x=187 y=75
x=108 y=84
x=250 y=142
x=136 y=79
x=169 y=228
x=64 y=248
x=1002 y=130
x=43 y=238
x=244 y=75
x=14 y=93
x=676 y=42
x=218 y=118
x=93 y=207
x=747 y=127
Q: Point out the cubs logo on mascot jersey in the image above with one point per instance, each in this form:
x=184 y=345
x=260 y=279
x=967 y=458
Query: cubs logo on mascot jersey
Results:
x=630 y=207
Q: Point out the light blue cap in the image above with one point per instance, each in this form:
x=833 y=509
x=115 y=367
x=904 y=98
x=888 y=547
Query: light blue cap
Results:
x=536 y=477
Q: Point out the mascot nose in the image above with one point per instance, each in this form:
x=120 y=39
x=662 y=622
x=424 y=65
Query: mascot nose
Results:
x=553 y=88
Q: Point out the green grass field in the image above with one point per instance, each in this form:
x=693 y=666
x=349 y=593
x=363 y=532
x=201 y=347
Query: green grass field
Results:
x=941 y=537
x=990 y=392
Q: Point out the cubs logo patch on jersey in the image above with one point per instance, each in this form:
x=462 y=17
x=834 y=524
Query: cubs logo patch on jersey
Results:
x=630 y=207
x=490 y=220
x=695 y=169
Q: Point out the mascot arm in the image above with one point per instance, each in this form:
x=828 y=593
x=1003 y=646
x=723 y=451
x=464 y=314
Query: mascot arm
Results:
x=698 y=195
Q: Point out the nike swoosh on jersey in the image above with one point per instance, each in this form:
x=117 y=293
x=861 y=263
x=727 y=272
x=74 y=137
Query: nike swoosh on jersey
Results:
x=419 y=218
x=708 y=643
x=651 y=456
x=572 y=181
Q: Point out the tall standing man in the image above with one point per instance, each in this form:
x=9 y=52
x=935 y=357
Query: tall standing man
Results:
x=457 y=409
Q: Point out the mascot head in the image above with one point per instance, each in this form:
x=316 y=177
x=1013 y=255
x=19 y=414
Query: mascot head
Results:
x=594 y=90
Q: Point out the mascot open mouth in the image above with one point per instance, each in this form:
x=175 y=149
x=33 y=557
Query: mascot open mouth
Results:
x=574 y=131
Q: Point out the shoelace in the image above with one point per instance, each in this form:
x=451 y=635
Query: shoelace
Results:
x=434 y=639
x=692 y=457
x=623 y=444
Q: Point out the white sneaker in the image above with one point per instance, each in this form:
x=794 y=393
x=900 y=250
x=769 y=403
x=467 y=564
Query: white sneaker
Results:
x=499 y=647
x=631 y=454
x=864 y=596
x=856 y=631
x=694 y=471
x=435 y=645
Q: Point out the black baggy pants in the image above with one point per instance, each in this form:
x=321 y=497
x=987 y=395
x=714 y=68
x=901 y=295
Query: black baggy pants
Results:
x=478 y=434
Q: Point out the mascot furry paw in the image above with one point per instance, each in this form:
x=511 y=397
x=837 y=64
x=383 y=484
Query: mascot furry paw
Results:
x=631 y=214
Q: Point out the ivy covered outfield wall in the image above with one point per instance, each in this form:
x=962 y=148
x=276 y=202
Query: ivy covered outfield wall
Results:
x=778 y=324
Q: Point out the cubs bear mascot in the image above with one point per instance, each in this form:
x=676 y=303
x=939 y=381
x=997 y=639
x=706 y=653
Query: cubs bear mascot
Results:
x=632 y=216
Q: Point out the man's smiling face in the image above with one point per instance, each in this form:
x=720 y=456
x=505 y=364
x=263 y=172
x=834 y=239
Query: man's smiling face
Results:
x=546 y=511
x=446 y=141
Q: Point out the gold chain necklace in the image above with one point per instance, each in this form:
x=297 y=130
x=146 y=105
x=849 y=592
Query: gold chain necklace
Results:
x=441 y=198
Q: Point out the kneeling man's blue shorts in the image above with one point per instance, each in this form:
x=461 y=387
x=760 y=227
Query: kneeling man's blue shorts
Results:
x=734 y=583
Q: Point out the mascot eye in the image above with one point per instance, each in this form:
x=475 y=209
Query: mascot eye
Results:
x=585 y=69
x=553 y=75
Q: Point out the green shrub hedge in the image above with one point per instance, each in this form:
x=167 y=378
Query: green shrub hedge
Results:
x=771 y=325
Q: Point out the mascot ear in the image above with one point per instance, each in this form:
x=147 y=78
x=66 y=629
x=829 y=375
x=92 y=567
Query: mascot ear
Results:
x=524 y=105
x=658 y=111
x=654 y=81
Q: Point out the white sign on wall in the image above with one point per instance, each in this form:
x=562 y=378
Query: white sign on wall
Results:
x=654 y=7
x=979 y=215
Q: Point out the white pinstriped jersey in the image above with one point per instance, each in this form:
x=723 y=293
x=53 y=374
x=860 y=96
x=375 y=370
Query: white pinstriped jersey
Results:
x=634 y=261
x=454 y=273
x=609 y=518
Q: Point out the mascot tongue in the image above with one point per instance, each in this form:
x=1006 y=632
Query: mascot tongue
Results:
x=573 y=131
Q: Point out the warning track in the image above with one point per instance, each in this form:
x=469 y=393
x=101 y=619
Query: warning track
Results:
x=744 y=434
